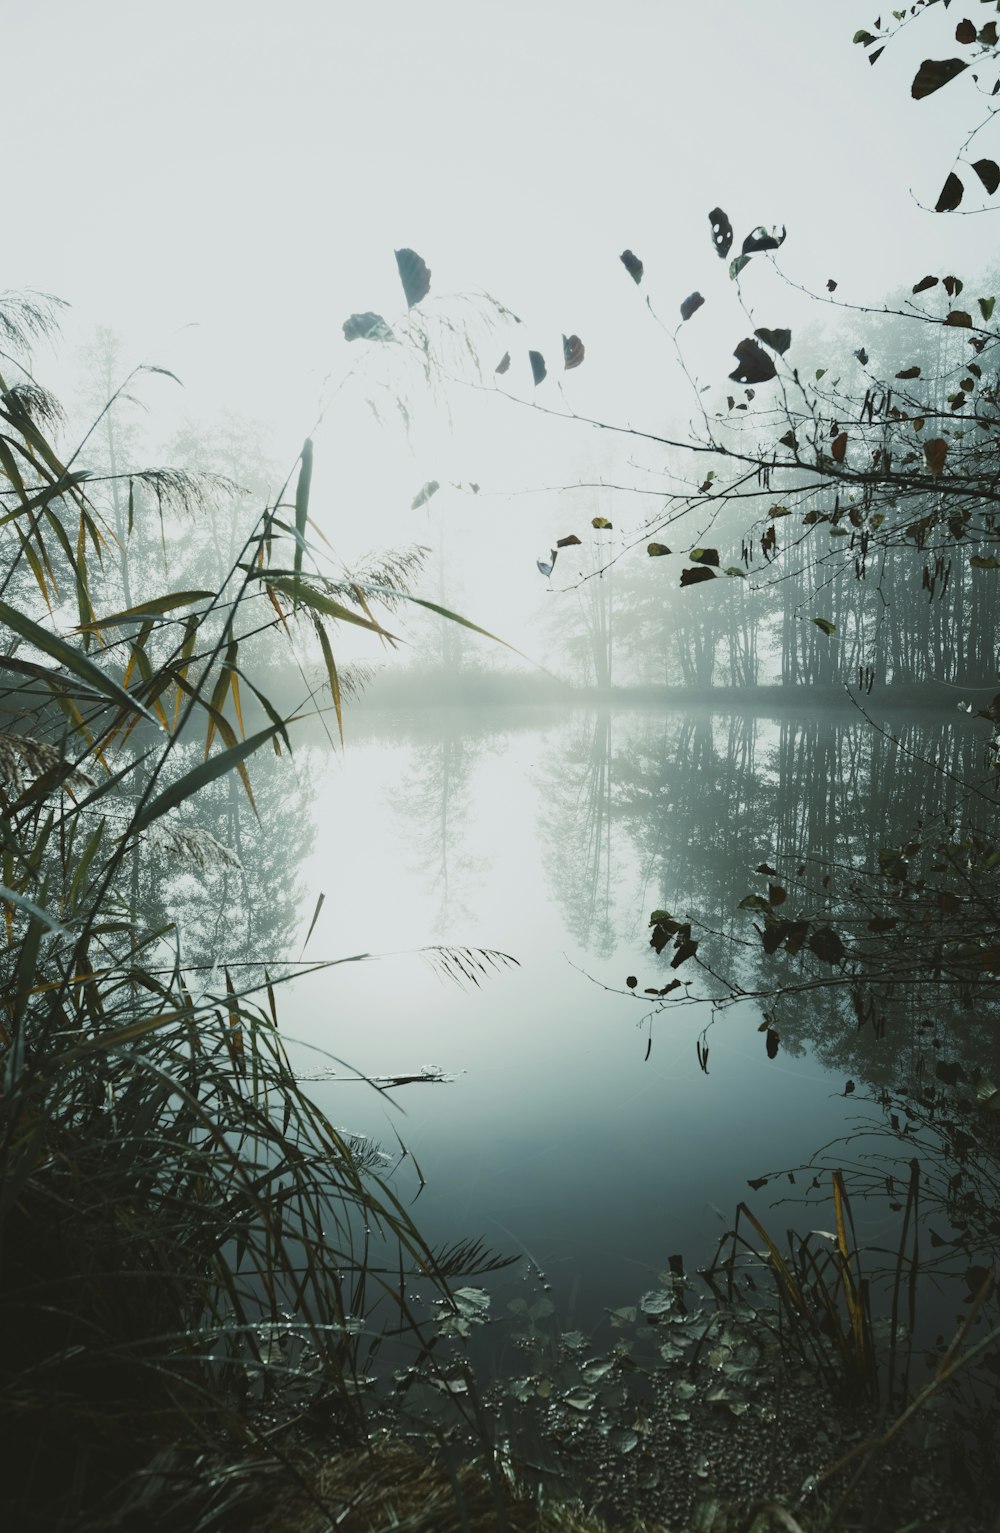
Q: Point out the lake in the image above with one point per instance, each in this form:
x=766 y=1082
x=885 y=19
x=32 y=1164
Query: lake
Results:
x=577 y=1128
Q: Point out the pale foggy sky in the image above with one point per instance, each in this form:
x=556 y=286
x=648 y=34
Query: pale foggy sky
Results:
x=224 y=181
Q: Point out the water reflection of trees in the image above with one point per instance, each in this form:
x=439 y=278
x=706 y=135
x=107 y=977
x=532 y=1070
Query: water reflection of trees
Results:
x=576 y=828
x=432 y=802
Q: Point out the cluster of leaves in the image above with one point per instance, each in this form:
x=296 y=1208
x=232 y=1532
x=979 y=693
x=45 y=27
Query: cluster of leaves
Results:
x=982 y=46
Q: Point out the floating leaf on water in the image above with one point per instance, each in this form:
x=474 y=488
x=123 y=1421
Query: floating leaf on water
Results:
x=656 y=1303
x=671 y=1352
x=625 y=1315
x=623 y=1439
x=683 y=1390
x=595 y=1370
x=579 y=1399
x=473 y=1302
x=575 y=1340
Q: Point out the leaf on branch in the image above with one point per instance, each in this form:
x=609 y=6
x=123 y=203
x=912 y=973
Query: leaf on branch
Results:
x=924 y=284
x=772 y=1039
x=838 y=447
x=657 y=550
x=568 y=542
x=988 y=172
x=722 y=232
x=692 y=577
x=538 y=368
x=737 y=265
x=691 y=305
x=503 y=364
x=734 y=569
x=825 y=625
x=989 y=562
x=632 y=265
x=763 y=239
x=825 y=943
x=776 y=511
x=933 y=73
x=909 y=372
x=546 y=567
x=367 y=327
x=789 y=440
x=573 y=351
x=951 y=195
x=704 y=556
x=831 y=286
x=778 y=340
x=430 y=488
x=601 y=523
x=935 y=453
x=414 y=276
x=986 y=308
x=959 y=317
x=755 y=366
x=965 y=32
x=867 y=38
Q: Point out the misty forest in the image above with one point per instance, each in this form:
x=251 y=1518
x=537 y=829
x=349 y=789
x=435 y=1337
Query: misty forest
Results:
x=501 y=821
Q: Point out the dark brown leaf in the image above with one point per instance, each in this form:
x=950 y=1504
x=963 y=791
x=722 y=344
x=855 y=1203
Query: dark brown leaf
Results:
x=778 y=340
x=933 y=73
x=704 y=556
x=935 y=453
x=632 y=265
x=831 y=286
x=503 y=364
x=722 y=232
x=772 y=1039
x=755 y=366
x=965 y=32
x=924 y=284
x=988 y=172
x=825 y=943
x=568 y=542
x=959 y=317
x=691 y=305
x=951 y=195
x=698 y=573
x=838 y=447
x=414 y=276
x=573 y=351
x=537 y=366
x=631 y=981
x=909 y=372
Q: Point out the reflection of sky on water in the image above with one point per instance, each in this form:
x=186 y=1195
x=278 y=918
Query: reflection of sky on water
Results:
x=558 y=1138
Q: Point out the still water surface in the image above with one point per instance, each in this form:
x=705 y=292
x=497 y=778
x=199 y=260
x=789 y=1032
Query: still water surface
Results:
x=551 y=837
